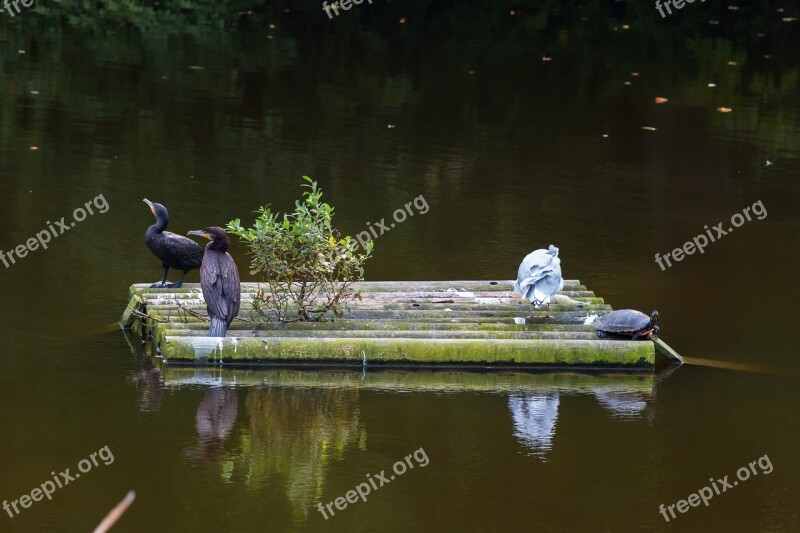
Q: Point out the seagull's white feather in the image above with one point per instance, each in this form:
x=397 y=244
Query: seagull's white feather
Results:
x=539 y=276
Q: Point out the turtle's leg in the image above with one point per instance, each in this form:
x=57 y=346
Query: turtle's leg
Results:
x=601 y=334
x=636 y=336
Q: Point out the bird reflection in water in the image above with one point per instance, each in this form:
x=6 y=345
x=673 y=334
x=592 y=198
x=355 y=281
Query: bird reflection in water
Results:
x=534 y=417
x=216 y=416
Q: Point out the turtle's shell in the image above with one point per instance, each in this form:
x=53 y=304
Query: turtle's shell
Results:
x=623 y=321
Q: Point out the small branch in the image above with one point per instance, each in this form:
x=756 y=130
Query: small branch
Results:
x=116 y=513
x=138 y=313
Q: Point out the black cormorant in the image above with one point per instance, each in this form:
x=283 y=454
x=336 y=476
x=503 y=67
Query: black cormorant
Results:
x=174 y=251
x=219 y=279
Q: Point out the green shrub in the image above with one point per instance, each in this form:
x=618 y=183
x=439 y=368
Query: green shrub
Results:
x=308 y=267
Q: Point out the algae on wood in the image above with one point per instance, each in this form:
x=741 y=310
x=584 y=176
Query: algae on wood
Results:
x=420 y=323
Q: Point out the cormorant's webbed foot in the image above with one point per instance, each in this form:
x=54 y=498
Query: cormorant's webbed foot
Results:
x=161 y=285
x=176 y=285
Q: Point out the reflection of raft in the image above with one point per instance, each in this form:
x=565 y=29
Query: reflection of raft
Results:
x=419 y=323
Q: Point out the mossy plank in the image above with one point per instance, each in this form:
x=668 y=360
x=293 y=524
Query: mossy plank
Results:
x=590 y=304
x=393 y=286
x=158 y=295
x=128 y=316
x=248 y=320
x=404 y=314
x=667 y=351
x=375 y=334
x=423 y=323
x=477 y=352
x=386 y=325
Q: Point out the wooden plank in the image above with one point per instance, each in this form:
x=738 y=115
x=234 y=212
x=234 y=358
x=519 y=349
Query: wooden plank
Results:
x=415 y=323
x=412 y=303
x=399 y=296
x=390 y=326
x=357 y=312
x=391 y=334
x=667 y=351
x=245 y=322
x=404 y=286
x=355 y=351
x=128 y=317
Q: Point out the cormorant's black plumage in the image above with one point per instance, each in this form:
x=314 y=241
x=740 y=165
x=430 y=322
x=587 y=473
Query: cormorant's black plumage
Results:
x=174 y=251
x=219 y=279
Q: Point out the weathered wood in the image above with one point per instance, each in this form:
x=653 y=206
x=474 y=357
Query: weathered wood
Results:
x=404 y=286
x=474 y=323
x=357 y=312
x=477 y=296
x=413 y=303
x=128 y=316
x=391 y=334
x=667 y=351
x=355 y=351
x=248 y=321
x=386 y=325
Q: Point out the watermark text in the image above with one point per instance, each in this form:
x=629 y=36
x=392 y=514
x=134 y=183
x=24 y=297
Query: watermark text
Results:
x=701 y=241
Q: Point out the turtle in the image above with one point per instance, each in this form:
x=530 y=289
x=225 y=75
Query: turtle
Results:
x=628 y=323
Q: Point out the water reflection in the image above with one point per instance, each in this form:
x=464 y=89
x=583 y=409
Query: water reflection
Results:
x=623 y=404
x=534 y=415
x=150 y=383
x=535 y=418
x=296 y=433
x=216 y=416
x=299 y=421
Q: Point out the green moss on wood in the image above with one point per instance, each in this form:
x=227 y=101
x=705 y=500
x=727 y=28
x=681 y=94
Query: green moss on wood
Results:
x=162 y=330
x=411 y=351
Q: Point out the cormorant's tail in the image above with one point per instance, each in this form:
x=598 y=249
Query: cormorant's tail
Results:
x=218 y=327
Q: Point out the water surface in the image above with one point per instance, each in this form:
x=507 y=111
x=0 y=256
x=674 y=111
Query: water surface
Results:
x=519 y=131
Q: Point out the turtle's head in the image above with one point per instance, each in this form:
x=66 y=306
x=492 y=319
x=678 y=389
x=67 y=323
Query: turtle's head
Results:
x=553 y=251
x=654 y=318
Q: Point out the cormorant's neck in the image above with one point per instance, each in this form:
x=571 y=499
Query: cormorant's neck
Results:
x=161 y=224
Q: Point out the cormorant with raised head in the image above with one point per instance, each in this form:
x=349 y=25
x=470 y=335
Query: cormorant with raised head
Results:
x=174 y=251
x=219 y=279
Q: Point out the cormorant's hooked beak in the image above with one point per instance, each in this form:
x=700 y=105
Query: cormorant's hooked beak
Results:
x=151 y=205
x=199 y=233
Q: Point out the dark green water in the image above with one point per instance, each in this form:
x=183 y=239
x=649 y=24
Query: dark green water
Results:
x=509 y=152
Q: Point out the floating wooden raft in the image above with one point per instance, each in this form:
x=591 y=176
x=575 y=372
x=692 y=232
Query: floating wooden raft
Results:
x=411 y=323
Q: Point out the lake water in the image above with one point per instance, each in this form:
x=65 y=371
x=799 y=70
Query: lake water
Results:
x=518 y=131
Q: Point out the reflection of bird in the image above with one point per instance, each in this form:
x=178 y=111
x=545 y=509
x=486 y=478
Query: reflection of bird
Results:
x=219 y=279
x=215 y=419
x=539 y=277
x=174 y=251
x=535 y=418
